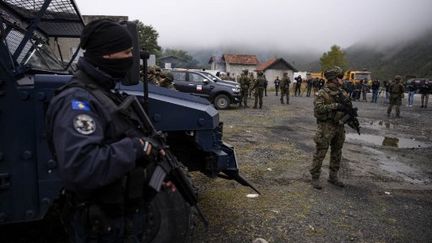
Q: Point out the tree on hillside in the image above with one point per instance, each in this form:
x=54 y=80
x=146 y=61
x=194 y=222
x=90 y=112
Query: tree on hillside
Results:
x=147 y=38
x=334 y=57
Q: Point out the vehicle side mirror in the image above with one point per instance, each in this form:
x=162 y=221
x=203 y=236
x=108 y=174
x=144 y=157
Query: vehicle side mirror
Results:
x=205 y=81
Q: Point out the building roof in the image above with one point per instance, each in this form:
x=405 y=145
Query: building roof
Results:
x=240 y=59
x=171 y=57
x=268 y=64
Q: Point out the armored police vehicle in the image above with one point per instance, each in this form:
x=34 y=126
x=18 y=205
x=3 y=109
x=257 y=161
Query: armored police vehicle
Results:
x=33 y=63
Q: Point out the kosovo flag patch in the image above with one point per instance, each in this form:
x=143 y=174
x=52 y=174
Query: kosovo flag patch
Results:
x=80 y=105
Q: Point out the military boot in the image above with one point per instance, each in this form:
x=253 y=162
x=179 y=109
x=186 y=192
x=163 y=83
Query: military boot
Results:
x=333 y=179
x=316 y=183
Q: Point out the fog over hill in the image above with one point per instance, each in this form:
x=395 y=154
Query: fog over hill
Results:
x=408 y=56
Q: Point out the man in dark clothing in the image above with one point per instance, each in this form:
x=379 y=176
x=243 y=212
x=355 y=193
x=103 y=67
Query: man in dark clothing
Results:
x=276 y=84
x=297 y=90
x=375 y=88
x=309 y=87
x=425 y=90
x=321 y=83
x=99 y=150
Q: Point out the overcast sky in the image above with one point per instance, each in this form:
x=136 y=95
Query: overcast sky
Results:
x=312 y=25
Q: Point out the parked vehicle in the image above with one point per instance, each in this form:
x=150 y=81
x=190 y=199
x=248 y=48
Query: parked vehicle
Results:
x=220 y=93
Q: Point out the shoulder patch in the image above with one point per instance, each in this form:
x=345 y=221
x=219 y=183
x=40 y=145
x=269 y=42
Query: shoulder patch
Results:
x=84 y=124
x=80 y=105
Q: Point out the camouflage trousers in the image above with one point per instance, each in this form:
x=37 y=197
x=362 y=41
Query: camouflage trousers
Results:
x=284 y=93
x=244 y=96
x=259 y=97
x=328 y=134
x=396 y=102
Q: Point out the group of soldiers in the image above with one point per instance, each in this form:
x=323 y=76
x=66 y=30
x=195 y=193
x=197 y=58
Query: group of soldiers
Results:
x=249 y=84
x=156 y=76
x=313 y=84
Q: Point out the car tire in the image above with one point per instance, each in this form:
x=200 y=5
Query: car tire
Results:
x=221 y=102
x=169 y=218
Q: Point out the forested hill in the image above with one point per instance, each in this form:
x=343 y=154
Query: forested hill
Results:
x=413 y=58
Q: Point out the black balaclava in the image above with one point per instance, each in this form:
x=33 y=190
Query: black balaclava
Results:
x=103 y=37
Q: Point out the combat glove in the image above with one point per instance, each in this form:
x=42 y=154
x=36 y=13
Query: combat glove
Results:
x=336 y=106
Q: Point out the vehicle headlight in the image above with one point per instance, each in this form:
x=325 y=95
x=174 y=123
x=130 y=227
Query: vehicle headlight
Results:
x=236 y=90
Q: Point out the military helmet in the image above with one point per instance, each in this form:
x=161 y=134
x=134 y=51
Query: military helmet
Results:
x=397 y=77
x=333 y=73
x=245 y=71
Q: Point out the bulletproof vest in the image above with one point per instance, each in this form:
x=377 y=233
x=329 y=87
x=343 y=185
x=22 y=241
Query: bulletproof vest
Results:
x=244 y=81
x=285 y=83
x=129 y=189
x=261 y=83
x=396 y=89
x=329 y=98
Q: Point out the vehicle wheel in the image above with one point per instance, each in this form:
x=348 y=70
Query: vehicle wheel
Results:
x=168 y=218
x=221 y=102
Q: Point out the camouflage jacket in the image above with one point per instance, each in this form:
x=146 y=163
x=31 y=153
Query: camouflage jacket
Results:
x=244 y=81
x=396 y=90
x=285 y=82
x=326 y=106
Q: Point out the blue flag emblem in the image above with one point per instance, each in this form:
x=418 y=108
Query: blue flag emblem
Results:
x=80 y=105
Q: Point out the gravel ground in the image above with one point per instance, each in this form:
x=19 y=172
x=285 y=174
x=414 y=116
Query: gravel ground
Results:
x=388 y=172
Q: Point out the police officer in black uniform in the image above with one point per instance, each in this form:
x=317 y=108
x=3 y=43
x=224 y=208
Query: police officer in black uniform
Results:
x=101 y=154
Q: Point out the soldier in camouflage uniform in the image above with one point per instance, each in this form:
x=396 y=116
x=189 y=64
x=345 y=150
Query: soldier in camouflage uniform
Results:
x=329 y=132
x=166 y=79
x=251 y=80
x=153 y=75
x=284 y=88
x=396 y=90
x=244 y=85
x=258 y=87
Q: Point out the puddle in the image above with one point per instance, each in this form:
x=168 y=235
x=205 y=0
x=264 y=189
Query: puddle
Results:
x=386 y=141
x=393 y=166
x=380 y=125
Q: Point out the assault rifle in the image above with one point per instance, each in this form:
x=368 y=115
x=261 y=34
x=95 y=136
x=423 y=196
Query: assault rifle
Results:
x=351 y=115
x=168 y=164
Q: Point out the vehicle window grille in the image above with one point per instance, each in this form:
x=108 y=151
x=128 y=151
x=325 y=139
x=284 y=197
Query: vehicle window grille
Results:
x=60 y=19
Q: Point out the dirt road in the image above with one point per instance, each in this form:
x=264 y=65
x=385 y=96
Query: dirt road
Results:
x=388 y=172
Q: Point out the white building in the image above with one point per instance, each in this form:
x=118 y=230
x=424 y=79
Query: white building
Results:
x=234 y=64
